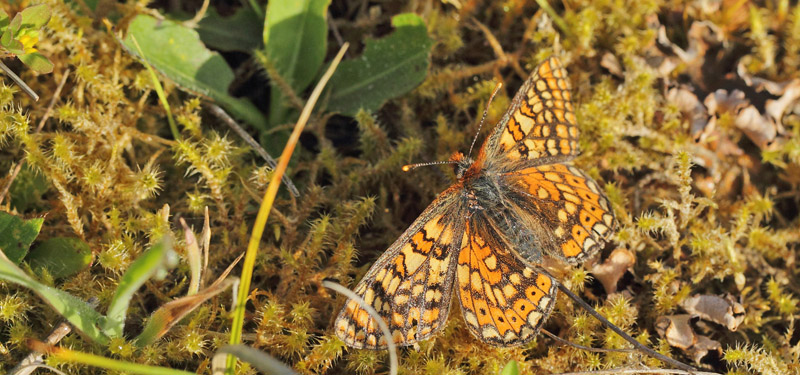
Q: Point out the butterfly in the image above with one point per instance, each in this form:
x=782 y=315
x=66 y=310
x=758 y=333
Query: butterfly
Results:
x=487 y=234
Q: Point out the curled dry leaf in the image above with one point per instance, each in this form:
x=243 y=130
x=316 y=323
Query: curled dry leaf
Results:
x=721 y=101
x=678 y=332
x=776 y=108
x=610 y=62
x=701 y=37
x=725 y=311
x=685 y=99
x=764 y=128
x=756 y=126
x=704 y=345
x=761 y=129
x=612 y=269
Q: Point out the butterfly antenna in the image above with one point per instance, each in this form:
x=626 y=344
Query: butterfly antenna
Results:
x=409 y=167
x=485 y=112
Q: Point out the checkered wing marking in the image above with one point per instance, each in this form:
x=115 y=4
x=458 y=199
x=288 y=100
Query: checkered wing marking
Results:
x=539 y=124
x=570 y=203
x=410 y=285
x=504 y=302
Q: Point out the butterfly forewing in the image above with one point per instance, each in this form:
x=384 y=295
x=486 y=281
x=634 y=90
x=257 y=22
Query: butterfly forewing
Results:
x=539 y=127
x=410 y=285
x=504 y=302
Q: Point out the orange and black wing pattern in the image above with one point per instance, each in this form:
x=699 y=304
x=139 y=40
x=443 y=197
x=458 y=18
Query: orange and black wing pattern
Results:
x=411 y=284
x=520 y=200
x=504 y=302
x=576 y=213
x=539 y=127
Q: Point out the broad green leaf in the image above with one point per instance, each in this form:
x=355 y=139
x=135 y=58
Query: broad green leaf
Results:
x=177 y=52
x=15 y=24
x=14 y=46
x=239 y=32
x=295 y=42
x=4 y=20
x=80 y=314
x=37 y=62
x=157 y=260
x=16 y=235
x=35 y=17
x=60 y=256
x=8 y=42
x=511 y=368
x=388 y=68
x=27 y=190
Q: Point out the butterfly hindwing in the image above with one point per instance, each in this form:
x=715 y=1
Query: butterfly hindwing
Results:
x=540 y=125
x=576 y=213
x=504 y=302
x=410 y=285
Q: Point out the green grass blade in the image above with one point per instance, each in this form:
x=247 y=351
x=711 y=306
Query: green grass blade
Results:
x=266 y=206
x=153 y=260
x=82 y=316
x=114 y=365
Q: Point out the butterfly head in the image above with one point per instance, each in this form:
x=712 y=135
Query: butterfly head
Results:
x=461 y=164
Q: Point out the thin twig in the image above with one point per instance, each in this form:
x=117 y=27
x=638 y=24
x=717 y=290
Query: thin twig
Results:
x=641 y=347
x=390 y=345
x=199 y=16
x=335 y=32
x=31 y=362
x=34 y=359
x=14 y=77
x=45 y=117
x=219 y=112
x=586 y=348
x=149 y=138
x=493 y=42
x=52 y=103
x=11 y=178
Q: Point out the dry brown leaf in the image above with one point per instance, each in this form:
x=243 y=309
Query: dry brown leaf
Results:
x=760 y=128
x=678 y=332
x=701 y=348
x=721 y=101
x=725 y=311
x=613 y=268
x=701 y=36
x=687 y=102
x=610 y=62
